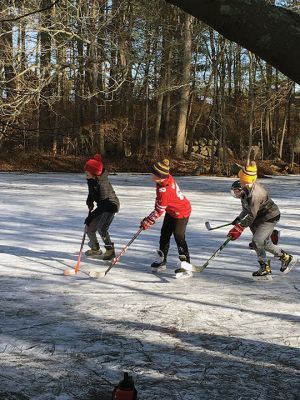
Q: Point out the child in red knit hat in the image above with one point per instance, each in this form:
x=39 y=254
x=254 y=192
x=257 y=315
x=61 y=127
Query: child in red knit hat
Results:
x=99 y=219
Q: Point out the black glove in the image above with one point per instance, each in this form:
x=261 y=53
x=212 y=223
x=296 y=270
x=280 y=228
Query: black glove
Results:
x=90 y=207
x=92 y=215
x=90 y=204
x=88 y=219
x=237 y=220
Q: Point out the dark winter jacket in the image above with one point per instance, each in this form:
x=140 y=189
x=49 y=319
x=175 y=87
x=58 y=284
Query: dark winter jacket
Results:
x=102 y=193
x=257 y=207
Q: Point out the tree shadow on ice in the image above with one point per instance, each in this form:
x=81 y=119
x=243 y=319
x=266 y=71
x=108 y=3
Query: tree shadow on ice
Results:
x=59 y=351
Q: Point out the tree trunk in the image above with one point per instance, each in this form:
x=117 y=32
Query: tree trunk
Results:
x=79 y=77
x=45 y=65
x=185 y=89
x=7 y=57
x=251 y=105
x=285 y=121
x=92 y=74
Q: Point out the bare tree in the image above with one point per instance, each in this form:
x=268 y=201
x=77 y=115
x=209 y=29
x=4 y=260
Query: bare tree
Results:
x=185 y=88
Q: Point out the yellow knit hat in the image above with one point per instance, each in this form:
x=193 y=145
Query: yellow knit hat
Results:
x=248 y=174
x=161 y=169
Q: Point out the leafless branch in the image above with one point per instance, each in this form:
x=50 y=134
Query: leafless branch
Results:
x=30 y=13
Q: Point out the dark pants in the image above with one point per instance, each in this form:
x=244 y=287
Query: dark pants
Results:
x=176 y=227
x=100 y=224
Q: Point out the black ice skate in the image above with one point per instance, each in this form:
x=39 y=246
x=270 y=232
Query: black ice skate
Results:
x=264 y=271
x=287 y=262
x=160 y=264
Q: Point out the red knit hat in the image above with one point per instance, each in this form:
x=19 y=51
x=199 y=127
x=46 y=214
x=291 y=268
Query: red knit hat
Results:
x=94 y=166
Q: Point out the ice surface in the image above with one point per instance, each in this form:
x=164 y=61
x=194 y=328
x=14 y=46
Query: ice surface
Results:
x=219 y=335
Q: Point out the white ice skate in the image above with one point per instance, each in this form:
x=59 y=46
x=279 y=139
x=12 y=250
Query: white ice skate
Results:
x=184 y=270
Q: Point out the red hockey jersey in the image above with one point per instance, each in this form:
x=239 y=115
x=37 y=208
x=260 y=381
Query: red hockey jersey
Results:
x=170 y=199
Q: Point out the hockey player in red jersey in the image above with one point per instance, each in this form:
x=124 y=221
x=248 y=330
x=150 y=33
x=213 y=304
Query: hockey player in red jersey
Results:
x=177 y=209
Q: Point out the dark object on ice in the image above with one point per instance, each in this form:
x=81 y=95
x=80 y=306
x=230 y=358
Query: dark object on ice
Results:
x=125 y=389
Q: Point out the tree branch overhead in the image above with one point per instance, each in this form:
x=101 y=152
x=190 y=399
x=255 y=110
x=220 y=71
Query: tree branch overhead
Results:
x=271 y=32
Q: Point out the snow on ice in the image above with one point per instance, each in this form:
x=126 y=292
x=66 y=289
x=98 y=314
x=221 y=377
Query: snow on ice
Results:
x=219 y=335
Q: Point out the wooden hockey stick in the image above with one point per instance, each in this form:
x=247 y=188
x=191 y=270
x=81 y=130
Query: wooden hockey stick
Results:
x=199 y=268
x=102 y=274
x=74 y=271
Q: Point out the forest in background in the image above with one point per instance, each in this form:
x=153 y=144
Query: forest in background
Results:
x=137 y=80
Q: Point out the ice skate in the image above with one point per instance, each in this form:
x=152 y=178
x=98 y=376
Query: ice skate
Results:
x=264 y=272
x=184 y=269
x=159 y=264
x=94 y=251
x=181 y=273
x=109 y=252
x=187 y=266
x=287 y=262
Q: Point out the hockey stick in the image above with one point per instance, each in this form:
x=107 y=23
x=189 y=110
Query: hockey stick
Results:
x=102 y=274
x=199 y=268
x=208 y=226
x=74 y=271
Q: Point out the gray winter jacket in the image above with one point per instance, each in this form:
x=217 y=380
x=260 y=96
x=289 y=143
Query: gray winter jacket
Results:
x=257 y=206
x=102 y=193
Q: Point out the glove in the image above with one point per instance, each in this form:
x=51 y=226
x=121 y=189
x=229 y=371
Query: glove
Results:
x=88 y=219
x=146 y=223
x=235 y=232
x=237 y=220
x=90 y=204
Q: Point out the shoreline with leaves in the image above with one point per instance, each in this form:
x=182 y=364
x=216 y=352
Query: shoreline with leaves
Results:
x=38 y=163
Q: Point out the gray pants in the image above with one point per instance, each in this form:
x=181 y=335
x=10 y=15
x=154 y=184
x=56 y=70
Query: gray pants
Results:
x=262 y=240
x=100 y=224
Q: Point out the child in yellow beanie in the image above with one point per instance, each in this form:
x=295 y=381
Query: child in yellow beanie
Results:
x=261 y=215
x=248 y=174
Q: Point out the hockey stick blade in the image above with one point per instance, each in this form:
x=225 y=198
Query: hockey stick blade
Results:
x=210 y=228
x=69 y=272
x=101 y=274
x=192 y=267
x=207 y=225
x=97 y=274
